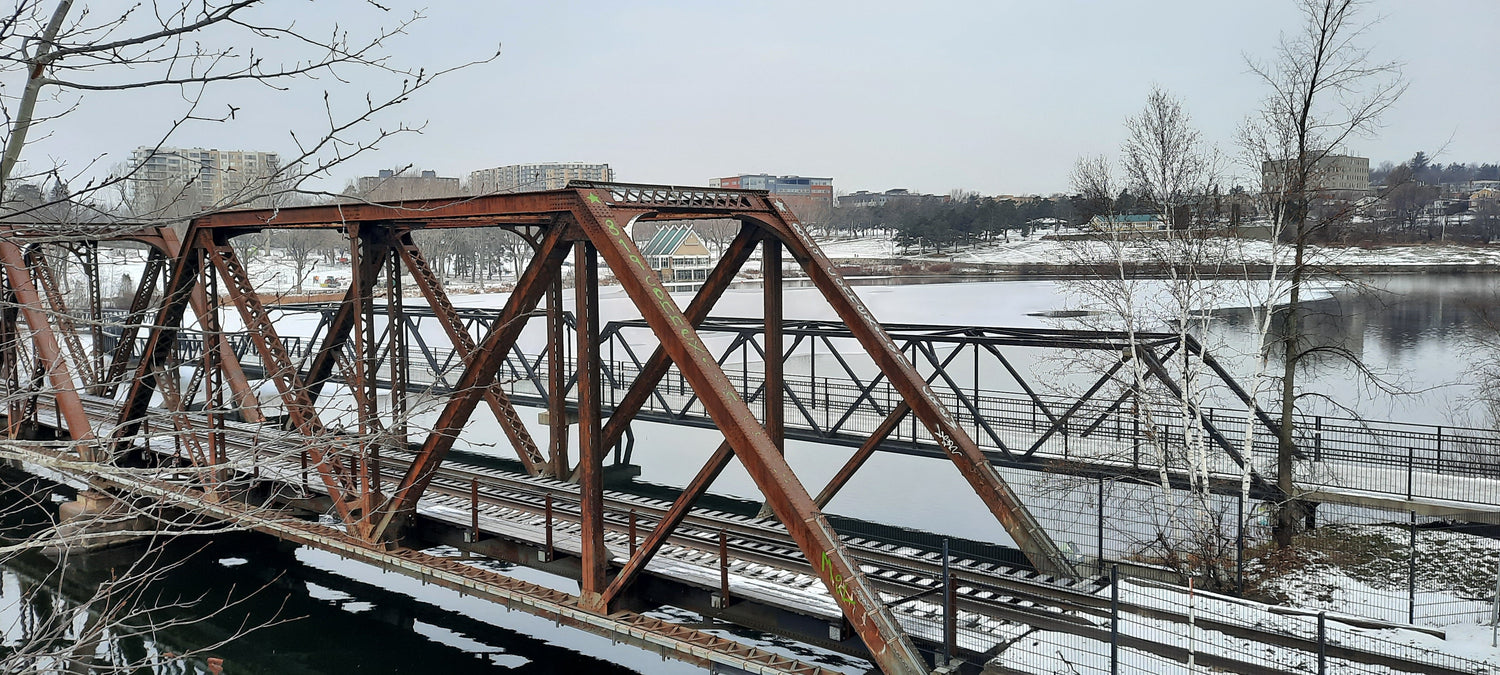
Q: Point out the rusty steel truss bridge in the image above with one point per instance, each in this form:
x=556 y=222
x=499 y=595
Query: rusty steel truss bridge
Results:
x=118 y=418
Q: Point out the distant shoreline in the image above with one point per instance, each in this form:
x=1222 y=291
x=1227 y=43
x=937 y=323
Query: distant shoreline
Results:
x=903 y=267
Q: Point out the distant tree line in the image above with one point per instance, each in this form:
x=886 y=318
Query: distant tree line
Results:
x=958 y=219
x=1422 y=169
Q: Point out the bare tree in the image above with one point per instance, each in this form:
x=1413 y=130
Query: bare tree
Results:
x=194 y=48
x=1154 y=270
x=60 y=56
x=1323 y=89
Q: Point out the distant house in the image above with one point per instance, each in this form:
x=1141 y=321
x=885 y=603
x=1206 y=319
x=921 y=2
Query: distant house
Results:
x=1118 y=223
x=679 y=257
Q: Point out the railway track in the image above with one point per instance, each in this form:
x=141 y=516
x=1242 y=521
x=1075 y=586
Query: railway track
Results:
x=994 y=603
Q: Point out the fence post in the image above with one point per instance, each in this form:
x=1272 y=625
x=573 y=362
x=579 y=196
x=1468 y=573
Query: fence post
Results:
x=1114 y=620
x=1322 y=643
x=1318 y=438
x=632 y=533
x=1239 y=544
x=724 y=569
x=1192 y=663
x=474 y=509
x=1411 y=575
x=1101 y=525
x=1439 y=468
x=547 y=506
x=950 y=627
x=1495 y=618
x=1411 y=463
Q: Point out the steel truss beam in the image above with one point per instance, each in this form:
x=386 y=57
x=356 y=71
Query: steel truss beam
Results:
x=47 y=349
x=972 y=464
x=345 y=485
x=589 y=217
x=463 y=346
x=546 y=264
x=857 y=599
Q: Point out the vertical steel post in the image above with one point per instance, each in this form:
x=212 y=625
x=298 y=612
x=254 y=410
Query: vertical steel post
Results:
x=1100 y=533
x=632 y=532
x=1495 y=616
x=1411 y=574
x=547 y=510
x=1318 y=438
x=775 y=414
x=1411 y=463
x=96 y=310
x=474 y=508
x=1439 y=468
x=361 y=312
x=724 y=569
x=10 y=354
x=557 y=405
x=1322 y=643
x=395 y=317
x=213 y=398
x=812 y=372
x=595 y=559
x=950 y=627
x=1114 y=620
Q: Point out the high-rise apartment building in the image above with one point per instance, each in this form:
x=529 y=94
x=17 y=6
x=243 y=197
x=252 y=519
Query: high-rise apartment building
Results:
x=532 y=177
x=191 y=179
x=809 y=198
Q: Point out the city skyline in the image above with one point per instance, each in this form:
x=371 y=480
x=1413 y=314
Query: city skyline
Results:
x=995 y=98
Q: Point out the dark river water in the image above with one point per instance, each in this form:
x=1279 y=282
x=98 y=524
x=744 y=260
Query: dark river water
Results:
x=319 y=614
x=308 y=612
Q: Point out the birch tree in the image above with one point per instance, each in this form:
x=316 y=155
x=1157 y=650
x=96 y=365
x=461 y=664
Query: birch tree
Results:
x=1154 y=270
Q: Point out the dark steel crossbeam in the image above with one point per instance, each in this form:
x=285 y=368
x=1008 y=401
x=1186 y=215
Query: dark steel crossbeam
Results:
x=442 y=309
x=343 y=484
x=545 y=265
x=972 y=463
x=140 y=304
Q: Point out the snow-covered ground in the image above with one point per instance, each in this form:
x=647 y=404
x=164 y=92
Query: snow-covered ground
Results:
x=1039 y=250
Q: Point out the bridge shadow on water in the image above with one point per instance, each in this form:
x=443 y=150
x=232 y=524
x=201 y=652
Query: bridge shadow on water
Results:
x=300 y=617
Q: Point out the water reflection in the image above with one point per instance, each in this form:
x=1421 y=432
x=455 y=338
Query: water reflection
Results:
x=300 y=617
x=1415 y=333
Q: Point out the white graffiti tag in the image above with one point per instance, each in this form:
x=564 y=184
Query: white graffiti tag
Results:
x=947 y=442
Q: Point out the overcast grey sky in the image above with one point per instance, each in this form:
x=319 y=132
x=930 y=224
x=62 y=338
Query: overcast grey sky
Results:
x=998 y=97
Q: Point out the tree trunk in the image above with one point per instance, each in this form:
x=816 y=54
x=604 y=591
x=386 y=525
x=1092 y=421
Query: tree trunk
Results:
x=1289 y=512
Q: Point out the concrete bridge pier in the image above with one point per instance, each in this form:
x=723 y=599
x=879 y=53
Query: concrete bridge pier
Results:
x=95 y=521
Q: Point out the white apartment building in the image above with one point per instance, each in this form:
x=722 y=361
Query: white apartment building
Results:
x=200 y=178
x=533 y=177
x=1334 y=175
